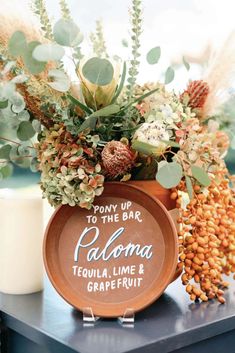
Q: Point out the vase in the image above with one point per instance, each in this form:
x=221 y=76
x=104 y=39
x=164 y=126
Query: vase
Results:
x=21 y=236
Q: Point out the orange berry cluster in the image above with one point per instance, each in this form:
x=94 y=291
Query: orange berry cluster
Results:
x=207 y=238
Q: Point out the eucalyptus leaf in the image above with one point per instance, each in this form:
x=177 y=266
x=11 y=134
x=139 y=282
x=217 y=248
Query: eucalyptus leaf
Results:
x=37 y=126
x=18 y=103
x=200 y=175
x=3 y=104
x=186 y=64
x=169 y=75
x=23 y=116
x=125 y=43
x=6 y=171
x=23 y=151
x=25 y=131
x=5 y=151
x=98 y=71
x=8 y=67
x=153 y=55
x=189 y=186
x=20 y=79
x=67 y=33
x=17 y=44
x=35 y=67
x=48 y=52
x=161 y=164
x=34 y=165
x=61 y=81
x=169 y=175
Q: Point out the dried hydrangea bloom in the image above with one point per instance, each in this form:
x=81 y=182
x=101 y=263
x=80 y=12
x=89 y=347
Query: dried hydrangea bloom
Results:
x=70 y=170
x=162 y=105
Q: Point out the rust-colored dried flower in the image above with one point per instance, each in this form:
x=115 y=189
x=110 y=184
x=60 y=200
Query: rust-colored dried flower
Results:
x=117 y=159
x=196 y=93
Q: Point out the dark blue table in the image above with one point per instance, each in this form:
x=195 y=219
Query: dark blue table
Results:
x=43 y=322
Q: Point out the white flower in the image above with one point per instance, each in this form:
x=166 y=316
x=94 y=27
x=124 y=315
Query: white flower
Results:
x=154 y=134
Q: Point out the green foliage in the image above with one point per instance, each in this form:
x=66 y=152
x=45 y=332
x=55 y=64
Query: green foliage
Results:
x=48 y=51
x=39 y=8
x=200 y=175
x=91 y=120
x=136 y=22
x=125 y=43
x=65 y=12
x=145 y=148
x=60 y=82
x=98 y=71
x=153 y=55
x=121 y=84
x=67 y=33
x=6 y=170
x=106 y=111
x=186 y=64
x=35 y=67
x=169 y=75
x=25 y=131
x=169 y=175
x=98 y=41
x=189 y=187
x=5 y=152
x=17 y=44
x=75 y=101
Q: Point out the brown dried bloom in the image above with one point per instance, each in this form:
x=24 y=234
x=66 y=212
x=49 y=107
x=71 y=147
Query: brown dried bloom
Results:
x=196 y=94
x=117 y=159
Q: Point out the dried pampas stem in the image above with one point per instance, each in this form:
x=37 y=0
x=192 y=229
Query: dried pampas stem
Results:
x=220 y=76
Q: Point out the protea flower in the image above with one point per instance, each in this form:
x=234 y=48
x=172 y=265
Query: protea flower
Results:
x=97 y=97
x=117 y=159
x=196 y=94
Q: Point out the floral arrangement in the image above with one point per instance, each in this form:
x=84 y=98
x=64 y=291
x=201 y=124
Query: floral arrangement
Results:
x=104 y=126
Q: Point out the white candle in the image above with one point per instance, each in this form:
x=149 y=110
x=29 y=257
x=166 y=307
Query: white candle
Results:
x=21 y=235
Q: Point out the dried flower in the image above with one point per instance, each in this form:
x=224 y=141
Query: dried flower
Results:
x=70 y=170
x=196 y=94
x=117 y=159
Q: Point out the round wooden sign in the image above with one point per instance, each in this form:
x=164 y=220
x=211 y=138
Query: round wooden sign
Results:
x=119 y=255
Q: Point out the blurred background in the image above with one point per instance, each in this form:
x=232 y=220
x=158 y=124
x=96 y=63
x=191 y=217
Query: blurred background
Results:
x=194 y=29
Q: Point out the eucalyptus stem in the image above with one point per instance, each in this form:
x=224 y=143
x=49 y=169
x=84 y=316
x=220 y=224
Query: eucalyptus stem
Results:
x=8 y=140
x=65 y=10
x=98 y=41
x=136 y=30
x=39 y=8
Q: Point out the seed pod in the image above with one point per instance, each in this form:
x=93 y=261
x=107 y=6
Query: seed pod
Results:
x=221 y=300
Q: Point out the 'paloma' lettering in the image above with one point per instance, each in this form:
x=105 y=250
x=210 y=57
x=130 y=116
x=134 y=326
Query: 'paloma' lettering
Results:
x=95 y=253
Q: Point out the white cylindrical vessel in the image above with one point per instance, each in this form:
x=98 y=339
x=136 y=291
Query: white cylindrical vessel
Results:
x=21 y=236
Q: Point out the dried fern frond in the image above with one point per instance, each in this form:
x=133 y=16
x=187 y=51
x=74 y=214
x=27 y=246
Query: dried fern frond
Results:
x=220 y=76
